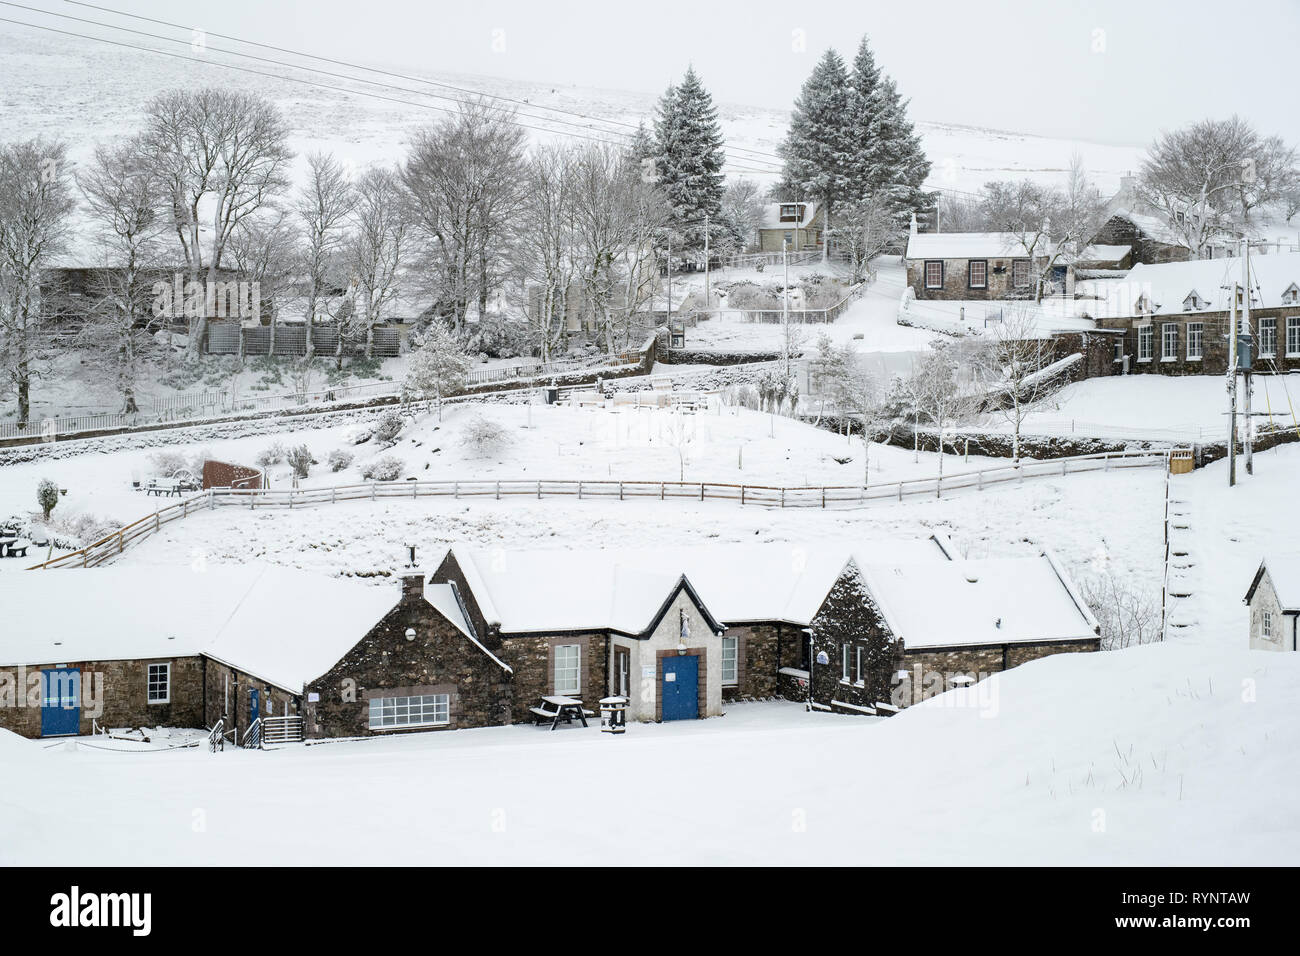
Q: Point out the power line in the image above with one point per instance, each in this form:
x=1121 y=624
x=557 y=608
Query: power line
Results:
x=401 y=76
x=318 y=85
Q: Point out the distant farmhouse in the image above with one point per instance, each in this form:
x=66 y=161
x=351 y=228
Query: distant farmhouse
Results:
x=971 y=265
x=484 y=637
x=1274 y=602
x=801 y=224
x=1173 y=318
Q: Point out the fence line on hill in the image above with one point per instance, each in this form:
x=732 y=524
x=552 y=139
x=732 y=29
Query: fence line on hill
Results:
x=767 y=496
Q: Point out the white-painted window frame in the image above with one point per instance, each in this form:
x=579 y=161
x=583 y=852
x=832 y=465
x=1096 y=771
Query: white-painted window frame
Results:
x=563 y=669
x=1169 y=341
x=1270 y=323
x=925 y=269
x=151 y=685
x=1195 y=336
x=1148 y=333
x=1293 y=336
x=731 y=679
x=409 y=712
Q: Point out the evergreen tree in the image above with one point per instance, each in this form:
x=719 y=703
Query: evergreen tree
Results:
x=865 y=177
x=897 y=157
x=689 y=158
x=817 y=149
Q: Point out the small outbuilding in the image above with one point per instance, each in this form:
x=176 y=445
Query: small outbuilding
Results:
x=1274 y=602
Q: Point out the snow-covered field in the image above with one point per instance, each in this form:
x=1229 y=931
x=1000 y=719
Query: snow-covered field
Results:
x=1148 y=756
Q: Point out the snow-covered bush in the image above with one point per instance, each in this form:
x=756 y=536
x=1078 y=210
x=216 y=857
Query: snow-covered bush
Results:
x=301 y=460
x=339 y=459
x=272 y=454
x=359 y=434
x=47 y=496
x=483 y=434
x=384 y=468
x=168 y=461
x=388 y=427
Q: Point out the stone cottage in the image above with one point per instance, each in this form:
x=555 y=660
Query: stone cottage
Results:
x=801 y=224
x=972 y=265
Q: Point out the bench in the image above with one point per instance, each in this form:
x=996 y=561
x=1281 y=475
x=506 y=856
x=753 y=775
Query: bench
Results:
x=11 y=547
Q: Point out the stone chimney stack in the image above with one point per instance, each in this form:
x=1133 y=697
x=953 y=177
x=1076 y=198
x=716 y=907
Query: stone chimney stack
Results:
x=412 y=576
x=912 y=229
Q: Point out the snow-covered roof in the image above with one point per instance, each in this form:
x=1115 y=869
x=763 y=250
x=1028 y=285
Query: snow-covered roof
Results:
x=1097 y=253
x=964 y=245
x=772 y=216
x=282 y=625
x=1167 y=285
x=572 y=590
x=1153 y=227
x=977 y=602
x=1284 y=573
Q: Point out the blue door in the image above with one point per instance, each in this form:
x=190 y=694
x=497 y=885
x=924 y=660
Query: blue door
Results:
x=681 y=688
x=60 y=702
x=253 y=712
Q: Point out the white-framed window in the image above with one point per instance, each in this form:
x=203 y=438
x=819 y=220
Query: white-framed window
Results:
x=567 y=662
x=844 y=660
x=730 y=661
x=425 y=710
x=1146 y=343
x=1195 y=341
x=791 y=212
x=1266 y=625
x=977 y=274
x=1268 y=337
x=1169 y=342
x=859 y=671
x=160 y=683
x=1020 y=273
x=1292 y=336
x=788 y=237
x=934 y=274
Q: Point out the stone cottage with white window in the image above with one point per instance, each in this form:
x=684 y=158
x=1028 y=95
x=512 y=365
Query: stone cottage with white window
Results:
x=1274 y=602
x=1172 y=318
x=972 y=265
x=800 y=224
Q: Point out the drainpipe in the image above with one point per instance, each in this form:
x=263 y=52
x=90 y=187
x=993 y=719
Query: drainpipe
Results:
x=812 y=662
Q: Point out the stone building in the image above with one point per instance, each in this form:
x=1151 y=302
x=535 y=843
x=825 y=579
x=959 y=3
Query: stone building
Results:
x=1173 y=318
x=972 y=265
x=1274 y=602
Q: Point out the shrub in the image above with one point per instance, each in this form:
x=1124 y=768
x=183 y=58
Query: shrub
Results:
x=47 y=496
x=167 y=462
x=301 y=460
x=359 y=434
x=272 y=455
x=482 y=434
x=388 y=427
x=384 y=468
x=339 y=459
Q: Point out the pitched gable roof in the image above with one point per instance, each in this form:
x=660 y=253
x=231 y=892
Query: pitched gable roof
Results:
x=1284 y=574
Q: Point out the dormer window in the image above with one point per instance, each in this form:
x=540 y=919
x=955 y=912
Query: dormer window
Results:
x=1143 y=306
x=791 y=212
x=1292 y=295
x=1194 y=302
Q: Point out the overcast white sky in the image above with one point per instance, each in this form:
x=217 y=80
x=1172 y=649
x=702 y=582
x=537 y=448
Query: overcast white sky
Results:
x=1112 y=71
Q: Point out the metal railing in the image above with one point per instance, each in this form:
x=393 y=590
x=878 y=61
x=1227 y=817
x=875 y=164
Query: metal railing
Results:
x=253 y=736
x=770 y=496
x=282 y=730
x=216 y=736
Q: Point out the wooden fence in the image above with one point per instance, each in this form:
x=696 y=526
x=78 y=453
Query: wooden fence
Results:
x=765 y=496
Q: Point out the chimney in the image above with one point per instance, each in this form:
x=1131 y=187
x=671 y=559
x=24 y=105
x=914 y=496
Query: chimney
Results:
x=412 y=585
x=913 y=226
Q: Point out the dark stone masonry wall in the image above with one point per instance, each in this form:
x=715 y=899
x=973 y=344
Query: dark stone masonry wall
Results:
x=440 y=659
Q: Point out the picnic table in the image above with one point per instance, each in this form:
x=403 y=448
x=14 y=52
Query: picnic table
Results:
x=163 y=486
x=556 y=709
x=10 y=546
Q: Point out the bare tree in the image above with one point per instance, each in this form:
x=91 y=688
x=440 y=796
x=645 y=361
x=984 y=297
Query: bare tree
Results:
x=1010 y=364
x=36 y=205
x=865 y=229
x=544 y=245
x=860 y=394
x=323 y=207
x=264 y=250
x=219 y=153
x=463 y=179
x=937 y=395
x=1127 y=614
x=118 y=190
x=742 y=213
x=1193 y=176
x=377 y=250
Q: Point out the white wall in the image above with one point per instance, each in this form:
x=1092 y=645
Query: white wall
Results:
x=645 y=689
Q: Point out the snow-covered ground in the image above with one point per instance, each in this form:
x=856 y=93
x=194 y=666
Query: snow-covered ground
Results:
x=1148 y=756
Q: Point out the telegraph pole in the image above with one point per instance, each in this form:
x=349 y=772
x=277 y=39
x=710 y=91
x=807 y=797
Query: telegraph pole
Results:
x=1232 y=387
x=785 y=304
x=708 y=297
x=1246 y=375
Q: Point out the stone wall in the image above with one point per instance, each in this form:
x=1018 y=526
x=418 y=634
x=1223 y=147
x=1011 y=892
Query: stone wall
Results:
x=228 y=695
x=439 y=659
x=532 y=657
x=117 y=689
x=1119 y=231
x=955 y=279
x=762 y=651
x=1214 y=342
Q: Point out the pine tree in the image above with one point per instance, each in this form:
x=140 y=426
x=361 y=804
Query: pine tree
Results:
x=689 y=158
x=817 y=149
x=865 y=177
x=897 y=156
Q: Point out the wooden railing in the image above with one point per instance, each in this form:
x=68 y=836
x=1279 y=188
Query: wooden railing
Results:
x=768 y=496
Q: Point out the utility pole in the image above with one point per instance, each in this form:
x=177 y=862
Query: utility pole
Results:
x=708 y=296
x=1246 y=375
x=785 y=305
x=1235 y=290
x=668 y=309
